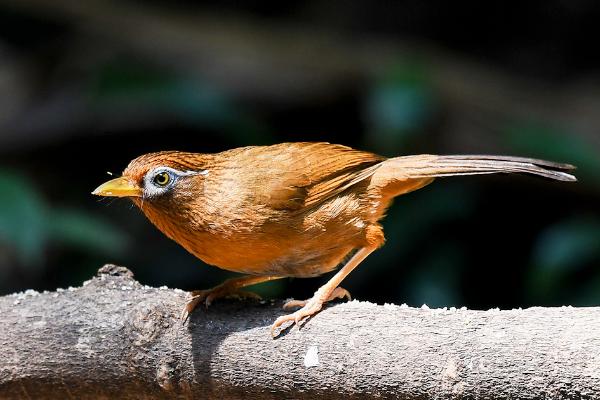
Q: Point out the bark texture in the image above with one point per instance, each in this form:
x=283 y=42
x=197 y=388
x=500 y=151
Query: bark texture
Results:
x=115 y=338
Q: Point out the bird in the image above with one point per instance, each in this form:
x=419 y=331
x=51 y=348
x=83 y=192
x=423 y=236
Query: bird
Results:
x=299 y=209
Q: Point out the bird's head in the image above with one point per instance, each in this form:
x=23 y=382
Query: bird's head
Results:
x=157 y=178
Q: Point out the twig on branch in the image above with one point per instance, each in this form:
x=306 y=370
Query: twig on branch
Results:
x=114 y=337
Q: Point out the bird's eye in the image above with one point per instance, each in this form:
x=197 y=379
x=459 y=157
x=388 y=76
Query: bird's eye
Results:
x=162 y=179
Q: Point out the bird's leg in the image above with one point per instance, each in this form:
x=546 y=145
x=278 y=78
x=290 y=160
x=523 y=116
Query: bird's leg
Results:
x=229 y=288
x=327 y=292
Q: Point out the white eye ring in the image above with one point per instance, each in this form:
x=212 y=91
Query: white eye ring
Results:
x=153 y=188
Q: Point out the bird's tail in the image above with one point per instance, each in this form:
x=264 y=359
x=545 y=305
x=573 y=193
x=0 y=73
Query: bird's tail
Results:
x=433 y=166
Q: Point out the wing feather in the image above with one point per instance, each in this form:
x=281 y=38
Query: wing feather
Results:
x=294 y=176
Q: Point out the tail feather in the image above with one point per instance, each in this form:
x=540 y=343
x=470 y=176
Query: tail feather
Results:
x=431 y=166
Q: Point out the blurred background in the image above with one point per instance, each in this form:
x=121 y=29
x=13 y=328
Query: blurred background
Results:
x=85 y=86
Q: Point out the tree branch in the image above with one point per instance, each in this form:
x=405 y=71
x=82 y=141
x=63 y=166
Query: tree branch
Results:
x=114 y=337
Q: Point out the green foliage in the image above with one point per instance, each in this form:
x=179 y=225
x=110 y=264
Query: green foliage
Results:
x=568 y=245
x=436 y=280
x=123 y=84
x=270 y=290
x=83 y=231
x=22 y=217
x=562 y=251
x=29 y=225
x=398 y=106
x=542 y=141
x=415 y=215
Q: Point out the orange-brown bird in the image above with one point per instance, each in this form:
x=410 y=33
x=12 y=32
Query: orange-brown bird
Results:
x=288 y=210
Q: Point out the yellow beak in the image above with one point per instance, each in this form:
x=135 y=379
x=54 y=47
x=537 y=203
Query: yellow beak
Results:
x=118 y=187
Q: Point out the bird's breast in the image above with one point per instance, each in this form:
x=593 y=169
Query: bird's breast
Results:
x=263 y=242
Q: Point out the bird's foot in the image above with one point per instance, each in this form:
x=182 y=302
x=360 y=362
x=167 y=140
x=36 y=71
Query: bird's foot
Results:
x=308 y=308
x=338 y=293
x=207 y=296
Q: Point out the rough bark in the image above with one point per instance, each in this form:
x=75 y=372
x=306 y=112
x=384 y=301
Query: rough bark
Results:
x=114 y=337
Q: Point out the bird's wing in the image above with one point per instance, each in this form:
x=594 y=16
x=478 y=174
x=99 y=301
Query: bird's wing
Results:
x=301 y=175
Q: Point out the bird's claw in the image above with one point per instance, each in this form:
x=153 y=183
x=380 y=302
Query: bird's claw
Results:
x=308 y=308
x=338 y=293
x=209 y=295
x=294 y=304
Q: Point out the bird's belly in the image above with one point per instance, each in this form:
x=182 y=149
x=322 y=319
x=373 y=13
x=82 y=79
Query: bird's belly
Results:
x=279 y=244
x=302 y=255
x=297 y=260
x=304 y=263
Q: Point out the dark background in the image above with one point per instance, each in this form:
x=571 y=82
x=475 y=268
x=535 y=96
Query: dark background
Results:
x=87 y=86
